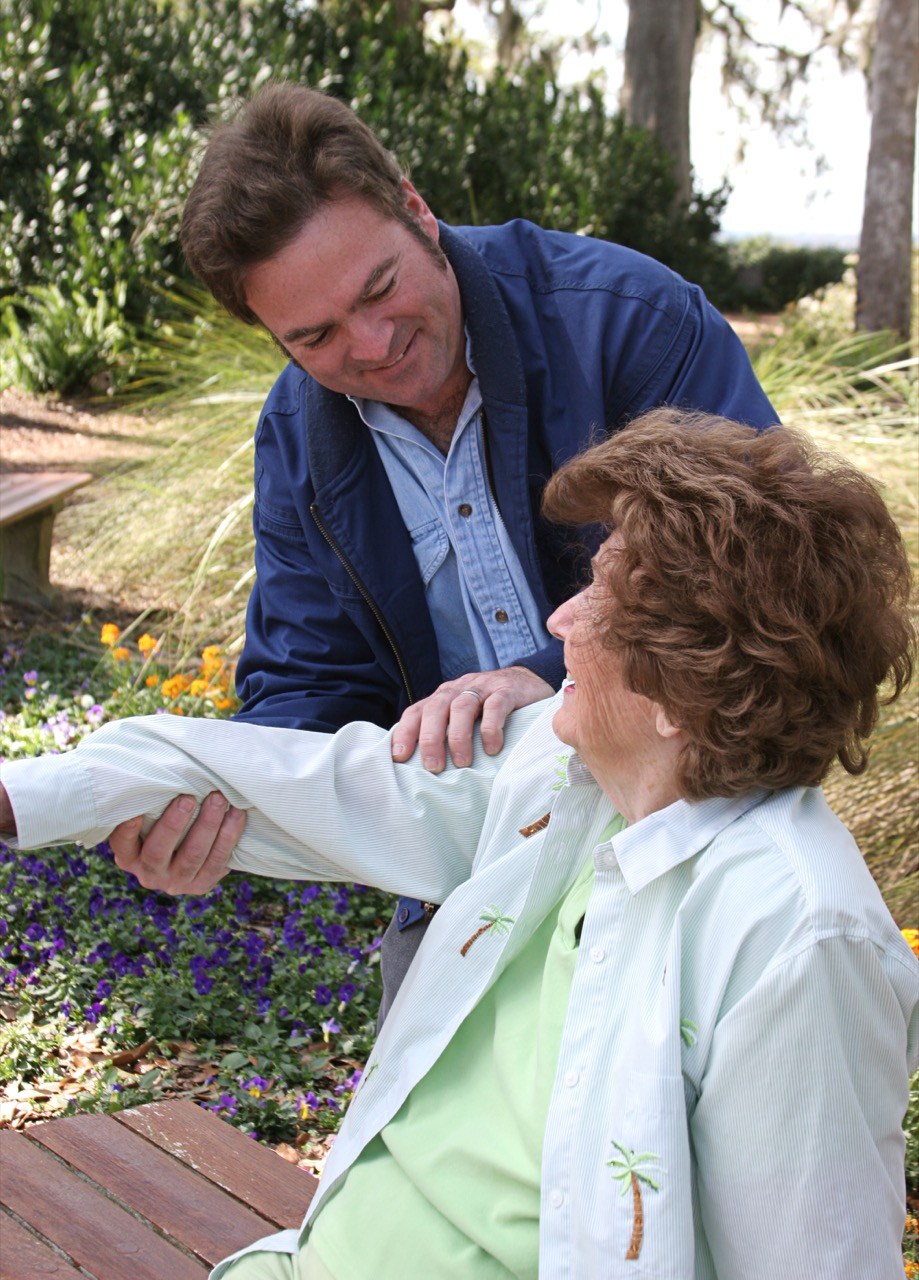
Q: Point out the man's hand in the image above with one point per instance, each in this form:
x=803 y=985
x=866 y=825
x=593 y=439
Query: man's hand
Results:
x=7 y=817
x=164 y=860
x=449 y=714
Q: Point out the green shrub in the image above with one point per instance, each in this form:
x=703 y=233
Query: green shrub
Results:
x=67 y=343
x=767 y=277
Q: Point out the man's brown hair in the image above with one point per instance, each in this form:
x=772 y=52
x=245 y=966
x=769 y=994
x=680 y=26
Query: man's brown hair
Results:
x=288 y=153
x=761 y=597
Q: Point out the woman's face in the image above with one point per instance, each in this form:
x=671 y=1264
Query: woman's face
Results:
x=617 y=733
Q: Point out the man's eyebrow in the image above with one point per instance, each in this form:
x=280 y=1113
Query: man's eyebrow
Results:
x=306 y=331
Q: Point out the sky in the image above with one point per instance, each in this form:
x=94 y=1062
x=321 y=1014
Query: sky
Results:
x=776 y=188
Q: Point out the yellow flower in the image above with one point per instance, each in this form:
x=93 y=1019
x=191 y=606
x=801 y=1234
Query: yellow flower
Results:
x=210 y=651
x=176 y=711
x=110 y=634
x=254 y=1091
x=120 y=654
x=911 y=1269
x=152 y=681
x=175 y=685
x=147 y=644
x=198 y=688
x=305 y=1110
x=911 y=1226
x=912 y=937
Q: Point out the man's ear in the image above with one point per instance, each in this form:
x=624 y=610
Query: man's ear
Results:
x=417 y=209
x=663 y=724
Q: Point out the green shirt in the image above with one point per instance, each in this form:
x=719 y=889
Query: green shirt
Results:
x=468 y=1205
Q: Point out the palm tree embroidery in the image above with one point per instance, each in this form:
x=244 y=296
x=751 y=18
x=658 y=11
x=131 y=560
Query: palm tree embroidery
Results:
x=561 y=769
x=631 y=1175
x=493 y=920
x=688 y=1032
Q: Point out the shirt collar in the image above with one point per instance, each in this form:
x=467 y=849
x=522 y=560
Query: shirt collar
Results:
x=661 y=841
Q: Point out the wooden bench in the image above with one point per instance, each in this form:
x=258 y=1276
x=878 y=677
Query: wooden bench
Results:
x=29 y=501
x=159 y=1192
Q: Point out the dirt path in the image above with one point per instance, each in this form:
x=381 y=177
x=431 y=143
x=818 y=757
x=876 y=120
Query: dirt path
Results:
x=41 y=433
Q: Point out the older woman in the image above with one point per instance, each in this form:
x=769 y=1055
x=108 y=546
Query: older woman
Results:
x=674 y=1018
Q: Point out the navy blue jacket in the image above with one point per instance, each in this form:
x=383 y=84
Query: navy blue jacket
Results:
x=571 y=337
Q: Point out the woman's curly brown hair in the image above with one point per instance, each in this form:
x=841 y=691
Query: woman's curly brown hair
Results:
x=761 y=597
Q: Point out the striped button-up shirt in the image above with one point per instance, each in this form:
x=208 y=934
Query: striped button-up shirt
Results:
x=743 y=1015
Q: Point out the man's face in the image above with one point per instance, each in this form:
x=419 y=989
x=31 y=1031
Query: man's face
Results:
x=362 y=305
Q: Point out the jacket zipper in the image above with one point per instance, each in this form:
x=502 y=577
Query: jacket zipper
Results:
x=489 y=474
x=368 y=600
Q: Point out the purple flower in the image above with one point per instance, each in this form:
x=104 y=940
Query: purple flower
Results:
x=322 y=994
x=226 y=1104
x=30 y=678
x=346 y=991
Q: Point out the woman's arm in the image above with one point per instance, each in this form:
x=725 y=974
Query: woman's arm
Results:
x=318 y=806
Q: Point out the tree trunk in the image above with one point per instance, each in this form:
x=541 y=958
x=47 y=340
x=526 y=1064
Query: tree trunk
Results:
x=659 y=50
x=884 y=253
x=638 y=1223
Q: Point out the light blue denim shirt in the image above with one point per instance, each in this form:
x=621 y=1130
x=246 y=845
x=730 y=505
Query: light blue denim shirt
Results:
x=483 y=612
x=742 y=1016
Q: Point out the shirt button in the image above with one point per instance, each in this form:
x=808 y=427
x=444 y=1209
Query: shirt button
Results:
x=571 y=1078
x=403 y=914
x=465 y=510
x=609 y=860
x=597 y=954
x=500 y=615
x=556 y=1198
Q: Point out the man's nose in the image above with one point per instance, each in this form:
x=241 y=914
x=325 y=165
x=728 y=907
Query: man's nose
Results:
x=371 y=340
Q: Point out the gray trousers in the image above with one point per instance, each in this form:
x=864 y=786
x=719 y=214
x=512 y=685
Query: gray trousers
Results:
x=396 y=954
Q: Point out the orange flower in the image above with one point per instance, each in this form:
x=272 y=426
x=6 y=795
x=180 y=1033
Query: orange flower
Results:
x=912 y=937
x=198 y=688
x=152 y=681
x=110 y=634
x=147 y=644
x=120 y=654
x=223 y=704
x=175 y=686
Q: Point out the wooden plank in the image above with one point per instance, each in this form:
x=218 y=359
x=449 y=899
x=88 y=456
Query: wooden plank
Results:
x=275 y=1189
x=24 y=492
x=25 y=1257
x=92 y=1231
x=146 y=1180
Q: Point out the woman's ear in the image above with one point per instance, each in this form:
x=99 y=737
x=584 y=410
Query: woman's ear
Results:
x=663 y=723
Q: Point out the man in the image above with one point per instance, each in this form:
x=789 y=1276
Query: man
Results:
x=438 y=378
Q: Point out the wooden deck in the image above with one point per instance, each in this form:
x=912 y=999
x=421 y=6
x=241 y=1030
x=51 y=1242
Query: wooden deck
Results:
x=160 y=1192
